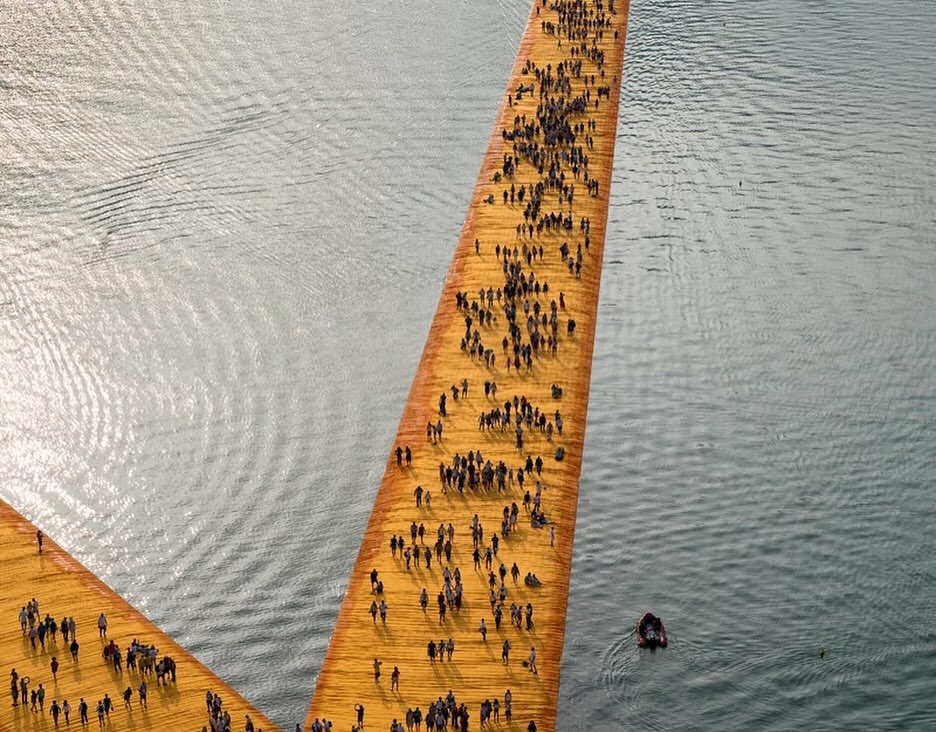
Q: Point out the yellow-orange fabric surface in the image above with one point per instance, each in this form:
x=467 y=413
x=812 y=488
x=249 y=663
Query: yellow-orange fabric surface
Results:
x=477 y=671
x=65 y=588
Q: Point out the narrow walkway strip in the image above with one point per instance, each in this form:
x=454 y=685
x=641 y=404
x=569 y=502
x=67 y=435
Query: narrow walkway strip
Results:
x=515 y=323
x=65 y=590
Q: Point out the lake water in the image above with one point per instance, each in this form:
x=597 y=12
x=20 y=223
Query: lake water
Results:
x=219 y=222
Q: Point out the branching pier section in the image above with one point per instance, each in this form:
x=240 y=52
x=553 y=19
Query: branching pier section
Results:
x=64 y=589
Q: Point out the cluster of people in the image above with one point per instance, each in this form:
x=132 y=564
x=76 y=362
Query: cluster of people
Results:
x=413 y=555
x=441 y=713
x=43 y=635
x=446 y=712
x=473 y=472
x=400 y=454
x=499 y=418
x=553 y=140
x=219 y=718
x=449 y=597
x=434 y=431
x=35 y=698
x=42 y=630
x=442 y=650
x=142 y=658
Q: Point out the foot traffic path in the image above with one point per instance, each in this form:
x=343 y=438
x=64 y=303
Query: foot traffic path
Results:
x=518 y=311
x=65 y=590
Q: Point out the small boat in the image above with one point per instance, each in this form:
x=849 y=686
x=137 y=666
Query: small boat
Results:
x=650 y=631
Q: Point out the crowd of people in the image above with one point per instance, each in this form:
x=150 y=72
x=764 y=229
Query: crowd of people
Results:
x=552 y=135
x=509 y=324
x=444 y=713
x=43 y=635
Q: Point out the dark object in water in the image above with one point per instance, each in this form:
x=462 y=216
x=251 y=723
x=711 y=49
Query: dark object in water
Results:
x=650 y=632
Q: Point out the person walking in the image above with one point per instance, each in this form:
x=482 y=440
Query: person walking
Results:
x=531 y=661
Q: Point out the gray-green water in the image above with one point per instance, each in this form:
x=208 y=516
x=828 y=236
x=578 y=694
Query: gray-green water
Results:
x=219 y=222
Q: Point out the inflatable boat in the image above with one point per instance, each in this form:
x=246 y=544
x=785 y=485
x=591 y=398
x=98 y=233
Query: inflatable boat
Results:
x=650 y=631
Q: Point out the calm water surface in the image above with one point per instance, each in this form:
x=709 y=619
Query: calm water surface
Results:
x=212 y=217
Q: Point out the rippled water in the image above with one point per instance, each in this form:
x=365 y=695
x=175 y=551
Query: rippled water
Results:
x=220 y=222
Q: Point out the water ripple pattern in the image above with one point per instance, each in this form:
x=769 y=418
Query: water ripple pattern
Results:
x=223 y=228
x=763 y=387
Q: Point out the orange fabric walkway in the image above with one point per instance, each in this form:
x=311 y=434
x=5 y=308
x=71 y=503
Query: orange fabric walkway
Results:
x=64 y=588
x=563 y=56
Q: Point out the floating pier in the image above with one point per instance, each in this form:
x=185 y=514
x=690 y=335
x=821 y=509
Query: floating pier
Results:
x=518 y=310
x=63 y=589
